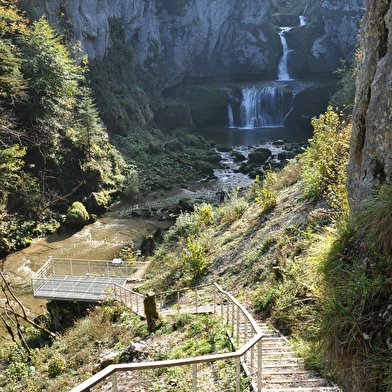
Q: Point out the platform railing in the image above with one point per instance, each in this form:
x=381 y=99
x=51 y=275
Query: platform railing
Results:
x=244 y=329
x=55 y=268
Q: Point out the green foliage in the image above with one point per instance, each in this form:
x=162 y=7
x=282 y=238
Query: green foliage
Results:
x=264 y=192
x=194 y=255
x=51 y=140
x=77 y=216
x=374 y=219
x=204 y=214
x=325 y=160
x=52 y=75
x=355 y=314
x=344 y=95
x=56 y=365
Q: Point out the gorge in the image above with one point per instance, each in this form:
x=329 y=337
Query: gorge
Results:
x=202 y=88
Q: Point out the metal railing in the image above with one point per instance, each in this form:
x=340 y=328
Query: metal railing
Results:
x=52 y=272
x=129 y=298
x=83 y=267
x=244 y=329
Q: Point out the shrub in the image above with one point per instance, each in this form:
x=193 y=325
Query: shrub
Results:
x=195 y=255
x=77 y=216
x=325 y=160
x=56 y=365
x=264 y=192
x=204 y=214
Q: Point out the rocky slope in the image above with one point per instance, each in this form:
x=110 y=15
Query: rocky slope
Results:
x=206 y=38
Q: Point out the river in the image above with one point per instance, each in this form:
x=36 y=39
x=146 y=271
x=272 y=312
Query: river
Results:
x=103 y=239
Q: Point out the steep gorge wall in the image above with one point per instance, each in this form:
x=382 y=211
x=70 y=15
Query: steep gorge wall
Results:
x=209 y=38
x=371 y=143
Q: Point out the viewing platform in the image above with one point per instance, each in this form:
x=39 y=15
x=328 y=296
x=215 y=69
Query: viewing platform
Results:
x=81 y=280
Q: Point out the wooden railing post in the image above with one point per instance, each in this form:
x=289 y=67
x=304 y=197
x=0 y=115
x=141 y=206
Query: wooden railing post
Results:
x=150 y=309
x=178 y=302
x=252 y=351
x=259 y=366
x=238 y=324
x=238 y=375
x=227 y=312
x=114 y=382
x=194 y=377
x=245 y=335
x=196 y=300
x=214 y=300
x=221 y=301
x=232 y=320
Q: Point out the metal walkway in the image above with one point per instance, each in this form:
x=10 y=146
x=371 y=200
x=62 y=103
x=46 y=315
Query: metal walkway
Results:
x=81 y=280
x=77 y=288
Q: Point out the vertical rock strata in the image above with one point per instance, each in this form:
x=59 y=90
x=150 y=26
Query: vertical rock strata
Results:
x=210 y=38
x=371 y=143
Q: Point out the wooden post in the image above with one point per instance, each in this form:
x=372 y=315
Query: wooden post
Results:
x=150 y=309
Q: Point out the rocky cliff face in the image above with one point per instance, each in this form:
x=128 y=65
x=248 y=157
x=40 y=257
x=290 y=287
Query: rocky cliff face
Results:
x=371 y=142
x=209 y=38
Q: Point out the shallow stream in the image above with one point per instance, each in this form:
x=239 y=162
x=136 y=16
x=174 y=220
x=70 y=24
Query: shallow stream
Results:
x=103 y=239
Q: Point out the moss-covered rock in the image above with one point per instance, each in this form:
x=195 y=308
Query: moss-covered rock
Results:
x=77 y=215
x=175 y=114
x=223 y=147
x=259 y=155
x=173 y=145
x=208 y=104
x=204 y=167
x=98 y=203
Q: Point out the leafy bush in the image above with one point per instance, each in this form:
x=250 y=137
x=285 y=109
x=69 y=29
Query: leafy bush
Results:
x=325 y=160
x=204 y=214
x=230 y=212
x=77 y=216
x=56 y=365
x=194 y=255
x=264 y=192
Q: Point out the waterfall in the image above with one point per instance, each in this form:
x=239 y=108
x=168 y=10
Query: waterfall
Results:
x=230 y=114
x=283 y=73
x=303 y=20
x=264 y=107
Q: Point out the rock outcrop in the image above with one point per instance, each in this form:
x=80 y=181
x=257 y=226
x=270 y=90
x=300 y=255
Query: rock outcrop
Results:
x=208 y=38
x=371 y=142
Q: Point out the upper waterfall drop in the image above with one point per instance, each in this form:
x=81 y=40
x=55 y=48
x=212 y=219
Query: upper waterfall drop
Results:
x=303 y=20
x=283 y=73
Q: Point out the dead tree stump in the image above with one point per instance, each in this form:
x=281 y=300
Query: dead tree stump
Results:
x=150 y=309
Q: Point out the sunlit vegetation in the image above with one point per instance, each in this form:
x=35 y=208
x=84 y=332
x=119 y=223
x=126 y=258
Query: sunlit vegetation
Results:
x=53 y=149
x=111 y=328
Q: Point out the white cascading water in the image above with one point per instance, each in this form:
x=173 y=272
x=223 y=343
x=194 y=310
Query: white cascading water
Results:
x=264 y=107
x=283 y=73
x=268 y=106
x=230 y=114
x=303 y=20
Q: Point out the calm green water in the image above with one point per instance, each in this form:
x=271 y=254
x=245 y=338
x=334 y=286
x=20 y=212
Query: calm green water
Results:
x=247 y=137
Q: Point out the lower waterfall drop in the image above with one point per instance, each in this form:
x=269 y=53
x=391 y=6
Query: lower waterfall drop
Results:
x=267 y=106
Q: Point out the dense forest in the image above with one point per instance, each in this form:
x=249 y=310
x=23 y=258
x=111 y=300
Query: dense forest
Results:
x=54 y=149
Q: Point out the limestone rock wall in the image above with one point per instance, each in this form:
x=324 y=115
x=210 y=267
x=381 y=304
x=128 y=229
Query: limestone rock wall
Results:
x=371 y=142
x=207 y=38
